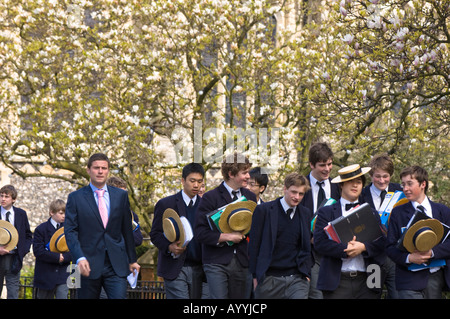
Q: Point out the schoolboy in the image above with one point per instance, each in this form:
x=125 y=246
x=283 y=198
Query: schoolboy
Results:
x=50 y=272
x=427 y=283
x=225 y=266
x=181 y=267
x=258 y=183
x=279 y=248
x=342 y=273
x=11 y=260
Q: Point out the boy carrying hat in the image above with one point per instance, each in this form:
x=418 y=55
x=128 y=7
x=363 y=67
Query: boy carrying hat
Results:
x=427 y=283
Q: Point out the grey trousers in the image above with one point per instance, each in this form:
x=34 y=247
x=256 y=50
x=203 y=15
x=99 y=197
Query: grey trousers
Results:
x=283 y=287
x=433 y=290
x=227 y=281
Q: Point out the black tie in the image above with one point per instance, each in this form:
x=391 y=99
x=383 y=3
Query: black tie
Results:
x=234 y=195
x=191 y=203
x=289 y=212
x=382 y=195
x=7 y=216
x=350 y=206
x=321 y=194
x=58 y=226
x=421 y=208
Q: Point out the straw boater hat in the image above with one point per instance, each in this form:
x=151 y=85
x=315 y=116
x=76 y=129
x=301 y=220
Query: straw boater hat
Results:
x=350 y=172
x=172 y=226
x=423 y=235
x=237 y=217
x=58 y=242
x=8 y=235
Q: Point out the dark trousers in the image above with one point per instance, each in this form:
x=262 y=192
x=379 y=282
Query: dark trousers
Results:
x=227 y=281
x=12 y=280
x=115 y=286
x=188 y=284
x=283 y=287
x=435 y=285
x=352 y=286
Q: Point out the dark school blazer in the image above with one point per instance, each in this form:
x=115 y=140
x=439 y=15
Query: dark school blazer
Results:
x=308 y=201
x=25 y=238
x=366 y=195
x=333 y=252
x=168 y=267
x=263 y=235
x=48 y=271
x=212 y=252
x=417 y=280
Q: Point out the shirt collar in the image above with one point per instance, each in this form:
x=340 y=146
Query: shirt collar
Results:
x=426 y=204
x=187 y=199
x=375 y=190
x=229 y=189
x=95 y=188
x=285 y=205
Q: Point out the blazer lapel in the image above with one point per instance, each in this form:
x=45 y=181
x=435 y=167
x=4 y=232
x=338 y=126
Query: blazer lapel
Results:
x=180 y=204
x=89 y=196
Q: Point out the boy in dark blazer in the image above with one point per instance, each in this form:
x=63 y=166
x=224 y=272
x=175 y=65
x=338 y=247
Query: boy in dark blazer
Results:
x=225 y=266
x=103 y=249
x=258 y=183
x=50 y=272
x=11 y=261
x=343 y=266
x=427 y=283
x=382 y=169
x=320 y=159
x=181 y=267
x=280 y=248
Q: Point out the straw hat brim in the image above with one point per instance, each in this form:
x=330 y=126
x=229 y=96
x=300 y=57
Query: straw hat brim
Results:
x=237 y=217
x=12 y=233
x=172 y=226
x=58 y=242
x=433 y=224
x=348 y=173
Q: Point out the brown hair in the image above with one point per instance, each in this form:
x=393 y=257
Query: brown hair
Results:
x=383 y=162
x=416 y=172
x=116 y=182
x=97 y=157
x=9 y=190
x=233 y=164
x=320 y=152
x=57 y=205
x=295 y=179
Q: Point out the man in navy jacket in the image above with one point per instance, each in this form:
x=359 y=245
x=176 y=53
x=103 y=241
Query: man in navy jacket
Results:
x=105 y=256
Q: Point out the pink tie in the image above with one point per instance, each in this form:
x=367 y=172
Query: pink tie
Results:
x=102 y=206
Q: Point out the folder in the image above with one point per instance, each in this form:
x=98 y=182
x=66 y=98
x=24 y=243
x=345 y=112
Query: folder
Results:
x=361 y=222
x=391 y=200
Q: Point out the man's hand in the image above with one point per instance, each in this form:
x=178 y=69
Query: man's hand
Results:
x=83 y=266
x=135 y=266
